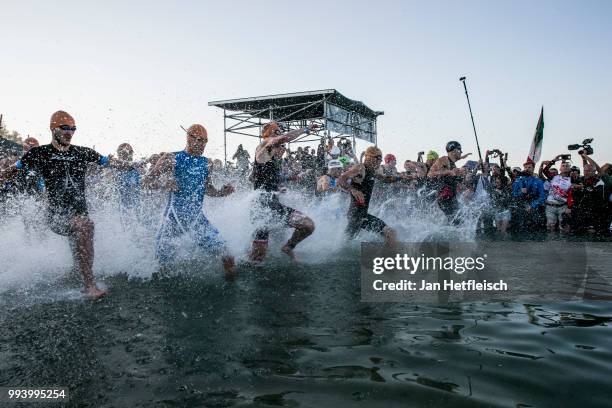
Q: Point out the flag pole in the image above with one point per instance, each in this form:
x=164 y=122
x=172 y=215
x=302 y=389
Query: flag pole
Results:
x=462 y=79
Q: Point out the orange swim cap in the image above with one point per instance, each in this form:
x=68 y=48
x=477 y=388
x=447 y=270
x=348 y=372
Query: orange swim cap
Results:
x=269 y=129
x=31 y=141
x=60 y=118
x=198 y=131
x=373 y=151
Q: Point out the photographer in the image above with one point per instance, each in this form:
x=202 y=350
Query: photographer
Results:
x=559 y=199
x=346 y=148
x=545 y=168
x=242 y=158
x=590 y=200
x=497 y=170
x=575 y=175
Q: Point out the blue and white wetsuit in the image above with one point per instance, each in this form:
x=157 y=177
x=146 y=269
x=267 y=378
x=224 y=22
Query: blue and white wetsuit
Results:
x=183 y=213
x=128 y=183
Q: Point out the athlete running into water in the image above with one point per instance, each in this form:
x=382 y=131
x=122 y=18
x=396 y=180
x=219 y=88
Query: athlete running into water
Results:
x=328 y=183
x=362 y=177
x=128 y=186
x=266 y=179
x=446 y=176
x=186 y=175
x=62 y=167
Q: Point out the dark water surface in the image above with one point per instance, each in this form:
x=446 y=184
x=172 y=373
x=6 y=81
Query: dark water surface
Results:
x=301 y=337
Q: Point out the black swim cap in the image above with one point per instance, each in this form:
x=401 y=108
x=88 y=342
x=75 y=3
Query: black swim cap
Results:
x=452 y=145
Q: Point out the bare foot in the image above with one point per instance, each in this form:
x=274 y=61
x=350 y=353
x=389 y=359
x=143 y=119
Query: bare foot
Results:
x=286 y=249
x=94 y=293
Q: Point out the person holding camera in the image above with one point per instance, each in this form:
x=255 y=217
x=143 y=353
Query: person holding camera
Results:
x=590 y=200
x=559 y=198
x=575 y=175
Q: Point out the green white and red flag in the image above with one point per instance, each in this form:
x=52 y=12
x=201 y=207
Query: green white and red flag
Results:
x=536 y=145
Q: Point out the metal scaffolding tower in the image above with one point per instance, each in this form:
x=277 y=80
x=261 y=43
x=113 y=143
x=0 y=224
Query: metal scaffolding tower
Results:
x=336 y=115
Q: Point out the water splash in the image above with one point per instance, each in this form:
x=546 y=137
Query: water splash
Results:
x=125 y=241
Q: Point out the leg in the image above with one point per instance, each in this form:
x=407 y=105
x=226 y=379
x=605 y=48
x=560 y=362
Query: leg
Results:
x=390 y=236
x=551 y=218
x=564 y=220
x=356 y=216
x=378 y=226
x=304 y=227
x=229 y=265
x=83 y=229
x=259 y=248
x=207 y=237
x=165 y=250
x=449 y=208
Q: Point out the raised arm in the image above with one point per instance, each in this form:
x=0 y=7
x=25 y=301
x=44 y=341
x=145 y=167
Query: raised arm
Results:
x=586 y=159
x=161 y=175
x=289 y=136
x=8 y=170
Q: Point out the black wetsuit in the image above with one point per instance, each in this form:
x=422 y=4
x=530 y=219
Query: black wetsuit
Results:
x=64 y=177
x=590 y=207
x=267 y=179
x=447 y=193
x=358 y=217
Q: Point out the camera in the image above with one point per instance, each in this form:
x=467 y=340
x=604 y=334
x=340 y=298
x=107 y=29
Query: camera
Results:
x=585 y=147
x=494 y=153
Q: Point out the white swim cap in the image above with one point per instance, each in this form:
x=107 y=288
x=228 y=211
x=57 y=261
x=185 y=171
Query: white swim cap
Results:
x=334 y=164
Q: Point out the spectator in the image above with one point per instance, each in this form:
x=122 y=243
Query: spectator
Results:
x=559 y=199
x=528 y=197
x=242 y=158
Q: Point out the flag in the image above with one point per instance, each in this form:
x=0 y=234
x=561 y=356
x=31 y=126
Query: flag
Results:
x=536 y=145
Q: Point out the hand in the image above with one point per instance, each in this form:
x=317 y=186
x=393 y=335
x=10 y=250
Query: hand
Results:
x=172 y=185
x=568 y=211
x=577 y=186
x=358 y=196
x=313 y=126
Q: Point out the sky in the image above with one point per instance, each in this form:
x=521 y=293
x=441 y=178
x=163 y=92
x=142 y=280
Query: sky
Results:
x=135 y=71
